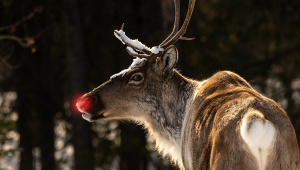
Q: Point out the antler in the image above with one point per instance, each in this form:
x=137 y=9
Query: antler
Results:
x=154 y=52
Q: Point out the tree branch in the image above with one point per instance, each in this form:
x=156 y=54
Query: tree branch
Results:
x=25 y=42
x=29 y=16
x=12 y=37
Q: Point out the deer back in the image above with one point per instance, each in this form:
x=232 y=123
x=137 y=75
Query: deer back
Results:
x=212 y=137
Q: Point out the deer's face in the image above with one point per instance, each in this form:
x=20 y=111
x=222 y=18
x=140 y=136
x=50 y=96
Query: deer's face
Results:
x=130 y=95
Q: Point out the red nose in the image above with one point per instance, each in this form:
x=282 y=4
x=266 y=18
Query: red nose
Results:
x=84 y=103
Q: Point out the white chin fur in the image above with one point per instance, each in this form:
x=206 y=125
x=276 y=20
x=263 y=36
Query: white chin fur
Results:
x=87 y=117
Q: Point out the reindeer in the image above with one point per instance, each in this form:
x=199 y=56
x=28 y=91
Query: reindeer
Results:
x=218 y=123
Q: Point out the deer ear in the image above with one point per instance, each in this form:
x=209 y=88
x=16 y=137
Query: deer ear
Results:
x=167 y=61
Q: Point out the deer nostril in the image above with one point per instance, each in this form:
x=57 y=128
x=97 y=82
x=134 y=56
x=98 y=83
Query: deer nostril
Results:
x=84 y=103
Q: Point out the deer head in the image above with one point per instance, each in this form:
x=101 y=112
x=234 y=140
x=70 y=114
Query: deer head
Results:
x=141 y=89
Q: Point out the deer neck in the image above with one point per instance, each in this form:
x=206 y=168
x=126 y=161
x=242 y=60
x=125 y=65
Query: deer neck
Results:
x=176 y=96
x=166 y=120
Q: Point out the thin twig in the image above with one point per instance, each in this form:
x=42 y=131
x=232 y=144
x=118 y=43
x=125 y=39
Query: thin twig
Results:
x=12 y=37
x=25 y=42
x=29 y=16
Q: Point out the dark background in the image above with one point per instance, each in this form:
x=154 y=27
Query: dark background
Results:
x=53 y=51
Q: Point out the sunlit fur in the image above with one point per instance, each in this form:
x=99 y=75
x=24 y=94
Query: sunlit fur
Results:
x=168 y=138
x=168 y=144
x=164 y=146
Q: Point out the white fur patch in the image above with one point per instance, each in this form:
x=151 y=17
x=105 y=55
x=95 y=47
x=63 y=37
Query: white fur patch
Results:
x=167 y=147
x=87 y=117
x=259 y=136
x=163 y=145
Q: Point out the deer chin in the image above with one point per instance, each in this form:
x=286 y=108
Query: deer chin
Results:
x=92 y=118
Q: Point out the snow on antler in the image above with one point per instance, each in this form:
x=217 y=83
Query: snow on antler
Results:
x=126 y=40
x=156 y=49
x=131 y=50
x=135 y=44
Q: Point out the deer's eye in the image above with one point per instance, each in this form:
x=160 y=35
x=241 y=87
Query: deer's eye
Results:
x=137 y=78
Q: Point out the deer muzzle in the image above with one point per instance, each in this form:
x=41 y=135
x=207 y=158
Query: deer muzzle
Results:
x=85 y=103
x=89 y=105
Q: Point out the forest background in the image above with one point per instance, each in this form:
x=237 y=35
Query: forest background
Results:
x=52 y=51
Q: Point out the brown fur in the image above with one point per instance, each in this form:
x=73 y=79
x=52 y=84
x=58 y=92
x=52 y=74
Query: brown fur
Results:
x=212 y=135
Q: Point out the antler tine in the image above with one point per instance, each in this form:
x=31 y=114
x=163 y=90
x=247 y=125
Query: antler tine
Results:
x=182 y=31
x=176 y=22
x=122 y=27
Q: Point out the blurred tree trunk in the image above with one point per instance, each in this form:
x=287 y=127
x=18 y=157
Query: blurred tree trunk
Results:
x=24 y=122
x=25 y=106
x=44 y=104
x=75 y=53
x=25 y=103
